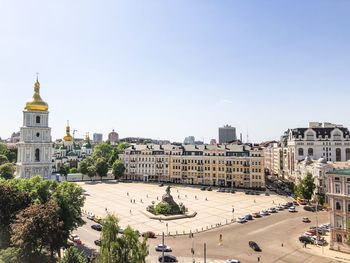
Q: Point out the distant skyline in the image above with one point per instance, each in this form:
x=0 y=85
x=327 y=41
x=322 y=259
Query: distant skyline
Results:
x=171 y=69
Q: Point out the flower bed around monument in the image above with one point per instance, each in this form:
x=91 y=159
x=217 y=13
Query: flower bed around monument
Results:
x=166 y=209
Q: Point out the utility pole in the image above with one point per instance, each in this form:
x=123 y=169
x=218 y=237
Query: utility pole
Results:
x=205 y=252
x=163 y=248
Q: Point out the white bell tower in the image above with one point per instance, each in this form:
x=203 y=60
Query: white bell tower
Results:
x=35 y=145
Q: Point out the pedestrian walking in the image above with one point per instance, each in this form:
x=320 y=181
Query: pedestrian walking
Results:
x=282 y=245
x=258 y=259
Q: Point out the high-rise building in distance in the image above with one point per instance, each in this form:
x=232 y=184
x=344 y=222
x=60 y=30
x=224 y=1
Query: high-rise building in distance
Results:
x=227 y=134
x=97 y=137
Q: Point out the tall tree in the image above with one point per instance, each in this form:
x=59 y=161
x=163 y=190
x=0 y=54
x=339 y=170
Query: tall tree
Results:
x=101 y=167
x=38 y=226
x=306 y=187
x=91 y=171
x=118 y=169
x=83 y=167
x=12 y=200
x=3 y=159
x=108 y=240
x=7 y=171
x=102 y=150
x=72 y=255
x=64 y=170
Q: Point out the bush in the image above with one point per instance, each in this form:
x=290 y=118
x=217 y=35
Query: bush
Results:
x=162 y=209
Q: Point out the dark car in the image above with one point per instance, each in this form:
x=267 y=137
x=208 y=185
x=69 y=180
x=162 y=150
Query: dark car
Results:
x=267 y=194
x=97 y=227
x=248 y=217
x=203 y=188
x=305 y=239
x=149 y=234
x=309 y=208
x=209 y=188
x=98 y=242
x=233 y=191
x=289 y=204
x=167 y=258
x=161 y=185
x=254 y=246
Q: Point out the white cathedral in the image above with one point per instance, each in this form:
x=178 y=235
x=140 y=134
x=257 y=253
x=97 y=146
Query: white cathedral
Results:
x=35 y=145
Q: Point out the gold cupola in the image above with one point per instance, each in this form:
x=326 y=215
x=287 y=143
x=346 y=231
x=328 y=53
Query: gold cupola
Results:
x=68 y=137
x=36 y=103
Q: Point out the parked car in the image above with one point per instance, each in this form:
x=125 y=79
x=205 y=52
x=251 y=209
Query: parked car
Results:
x=98 y=242
x=75 y=238
x=233 y=191
x=272 y=210
x=319 y=241
x=305 y=239
x=309 y=208
x=91 y=216
x=306 y=220
x=221 y=190
x=121 y=231
x=149 y=234
x=167 y=258
x=292 y=209
x=241 y=220
x=264 y=213
x=162 y=247
x=248 y=217
x=289 y=204
x=227 y=190
x=267 y=194
x=97 y=227
x=161 y=185
x=203 y=188
x=254 y=246
x=280 y=208
x=233 y=261
x=256 y=215
x=209 y=188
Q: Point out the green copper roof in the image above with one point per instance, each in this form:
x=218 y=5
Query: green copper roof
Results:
x=340 y=172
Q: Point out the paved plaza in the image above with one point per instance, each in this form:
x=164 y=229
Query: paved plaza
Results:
x=213 y=208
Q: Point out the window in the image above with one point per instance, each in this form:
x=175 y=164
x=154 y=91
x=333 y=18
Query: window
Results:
x=310 y=136
x=37 y=119
x=310 y=152
x=336 y=136
x=37 y=155
x=339 y=238
x=348 y=189
x=338 y=155
x=338 y=221
x=347 y=154
x=337 y=206
x=337 y=188
x=301 y=152
x=348 y=207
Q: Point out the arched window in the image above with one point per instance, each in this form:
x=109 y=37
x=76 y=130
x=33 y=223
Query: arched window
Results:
x=37 y=119
x=347 y=154
x=338 y=155
x=337 y=136
x=337 y=206
x=37 y=155
x=310 y=136
x=310 y=152
x=301 y=152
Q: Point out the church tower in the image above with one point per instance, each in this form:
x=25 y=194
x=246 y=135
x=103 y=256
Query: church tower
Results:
x=35 y=145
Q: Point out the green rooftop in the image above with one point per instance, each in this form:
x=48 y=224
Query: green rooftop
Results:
x=340 y=172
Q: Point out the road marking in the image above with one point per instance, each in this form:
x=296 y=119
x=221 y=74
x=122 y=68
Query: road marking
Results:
x=265 y=228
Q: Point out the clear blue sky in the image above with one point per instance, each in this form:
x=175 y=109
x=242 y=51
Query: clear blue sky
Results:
x=168 y=69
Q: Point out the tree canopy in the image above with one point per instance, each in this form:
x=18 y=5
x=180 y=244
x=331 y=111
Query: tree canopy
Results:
x=118 y=169
x=101 y=167
x=306 y=187
x=72 y=255
x=7 y=171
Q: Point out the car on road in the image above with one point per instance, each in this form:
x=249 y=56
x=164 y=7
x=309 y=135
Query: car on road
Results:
x=167 y=258
x=289 y=204
x=162 y=247
x=209 y=188
x=97 y=242
x=267 y=194
x=256 y=215
x=233 y=191
x=97 y=227
x=319 y=241
x=221 y=190
x=254 y=246
x=248 y=217
x=75 y=238
x=306 y=220
x=280 y=208
x=121 y=231
x=272 y=210
x=228 y=190
x=149 y=234
x=305 y=239
x=91 y=216
x=264 y=213
x=292 y=209
x=241 y=220
x=161 y=185
x=233 y=261
x=203 y=188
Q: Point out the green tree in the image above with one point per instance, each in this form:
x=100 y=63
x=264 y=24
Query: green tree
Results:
x=162 y=209
x=102 y=150
x=36 y=227
x=9 y=255
x=12 y=200
x=3 y=159
x=306 y=187
x=83 y=167
x=124 y=249
x=7 y=171
x=72 y=255
x=64 y=170
x=118 y=169
x=91 y=171
x=11 y=154
x=101 y=167
x=73 y=170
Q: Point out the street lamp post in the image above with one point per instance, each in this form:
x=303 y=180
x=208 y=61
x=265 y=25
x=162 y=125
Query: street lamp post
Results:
x=205 y=252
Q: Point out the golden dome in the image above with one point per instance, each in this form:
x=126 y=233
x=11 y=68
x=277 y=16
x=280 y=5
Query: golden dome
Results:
x=37 y=103
x=68 y=137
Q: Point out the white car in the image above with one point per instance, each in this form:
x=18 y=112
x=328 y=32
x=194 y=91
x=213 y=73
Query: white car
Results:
x=233 y=261
x=91 y=216
x=75 y=238
x=264 y=213
x=162 y=247
x=292 y=209
x=241 y=220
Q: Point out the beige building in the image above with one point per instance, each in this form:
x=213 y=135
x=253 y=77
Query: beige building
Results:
x=218 y=165
x=338 y=195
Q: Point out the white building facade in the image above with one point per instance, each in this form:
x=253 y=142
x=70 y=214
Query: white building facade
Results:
x=35 y=145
